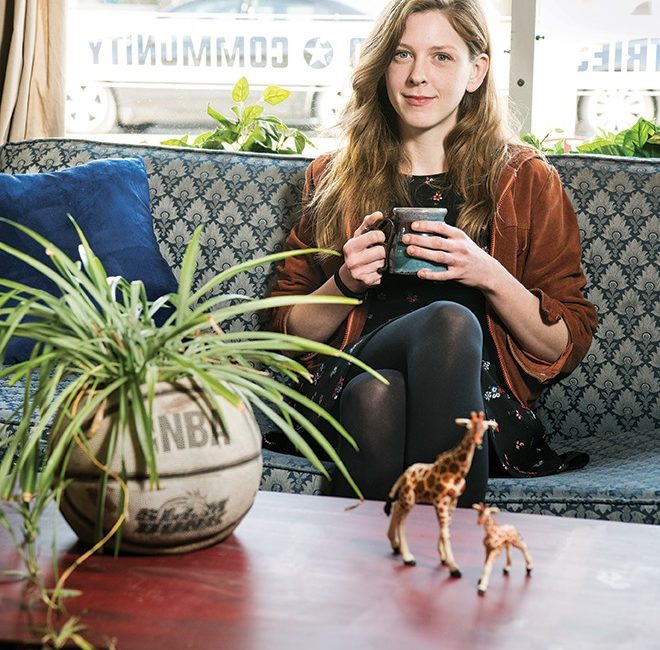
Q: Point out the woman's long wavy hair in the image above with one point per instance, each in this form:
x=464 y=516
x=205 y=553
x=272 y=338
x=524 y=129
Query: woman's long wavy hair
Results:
x=364 y=175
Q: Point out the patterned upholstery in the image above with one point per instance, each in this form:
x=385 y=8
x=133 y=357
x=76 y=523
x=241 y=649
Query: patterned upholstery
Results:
x=608 y=407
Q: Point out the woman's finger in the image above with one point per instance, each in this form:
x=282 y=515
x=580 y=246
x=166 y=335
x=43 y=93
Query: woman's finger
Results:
x=430 y=255
x=432 y=242
x=364 y=257
x=437 y=228
x=367 y=222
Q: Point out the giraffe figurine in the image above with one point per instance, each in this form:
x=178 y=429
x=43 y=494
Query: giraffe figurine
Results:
x=439 y=484
x=498 y=537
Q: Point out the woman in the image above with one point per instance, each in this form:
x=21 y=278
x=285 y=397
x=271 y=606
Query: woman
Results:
x=505 y=319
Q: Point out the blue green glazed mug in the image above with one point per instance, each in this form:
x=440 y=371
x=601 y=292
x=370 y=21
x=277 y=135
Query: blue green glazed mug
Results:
x=395 y=227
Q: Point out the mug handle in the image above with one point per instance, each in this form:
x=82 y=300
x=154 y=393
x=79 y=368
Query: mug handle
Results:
x=387 y=227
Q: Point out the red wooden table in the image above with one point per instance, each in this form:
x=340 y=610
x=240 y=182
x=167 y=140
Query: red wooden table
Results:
x=301 y=572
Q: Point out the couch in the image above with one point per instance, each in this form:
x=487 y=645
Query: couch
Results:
x=608 y=407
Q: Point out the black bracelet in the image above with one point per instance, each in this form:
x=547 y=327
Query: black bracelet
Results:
x=345 y=290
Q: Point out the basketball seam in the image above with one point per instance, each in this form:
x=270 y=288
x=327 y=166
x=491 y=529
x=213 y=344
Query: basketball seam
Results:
x=197 y=472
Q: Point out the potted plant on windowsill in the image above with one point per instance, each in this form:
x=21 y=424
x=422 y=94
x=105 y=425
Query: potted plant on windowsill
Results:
x=119 y=393
x=250 y=129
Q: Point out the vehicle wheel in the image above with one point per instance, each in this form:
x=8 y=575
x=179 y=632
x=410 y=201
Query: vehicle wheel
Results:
x=90 y=109
x=615 y=110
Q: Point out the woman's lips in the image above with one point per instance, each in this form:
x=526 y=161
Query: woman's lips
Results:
x=418 y=100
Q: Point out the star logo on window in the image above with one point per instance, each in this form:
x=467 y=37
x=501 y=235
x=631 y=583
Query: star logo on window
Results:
x=318 y=53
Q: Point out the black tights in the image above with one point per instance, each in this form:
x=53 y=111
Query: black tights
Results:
x=432 y=359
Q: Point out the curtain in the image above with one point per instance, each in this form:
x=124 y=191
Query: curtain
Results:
x=32 y=50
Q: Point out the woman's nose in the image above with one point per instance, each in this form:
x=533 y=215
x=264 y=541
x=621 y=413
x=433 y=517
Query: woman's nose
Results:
x=418 y=73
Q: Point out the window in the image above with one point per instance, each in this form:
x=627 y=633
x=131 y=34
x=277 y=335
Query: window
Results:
x=596 y=65
x=152 y=71
x=148 y=70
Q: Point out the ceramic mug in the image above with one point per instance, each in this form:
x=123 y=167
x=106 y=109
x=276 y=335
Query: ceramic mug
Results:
x=395 y=227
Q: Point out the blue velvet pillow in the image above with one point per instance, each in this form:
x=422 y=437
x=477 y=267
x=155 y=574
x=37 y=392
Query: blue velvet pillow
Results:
x=109 y=199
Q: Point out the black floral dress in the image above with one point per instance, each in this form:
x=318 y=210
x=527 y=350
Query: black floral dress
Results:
x=519 y=446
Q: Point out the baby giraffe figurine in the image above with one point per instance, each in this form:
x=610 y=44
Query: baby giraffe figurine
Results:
x=498 y=537
x=439 y=484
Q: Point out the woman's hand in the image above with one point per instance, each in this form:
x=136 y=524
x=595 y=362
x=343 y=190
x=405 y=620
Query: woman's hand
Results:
x=465 y=261
x=517 y=307
x=364 y=255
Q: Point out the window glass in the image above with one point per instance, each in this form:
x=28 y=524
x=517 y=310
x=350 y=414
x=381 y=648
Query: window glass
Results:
x=208 y=6
x=302 y=7
x=146 y=71
x=596 y=65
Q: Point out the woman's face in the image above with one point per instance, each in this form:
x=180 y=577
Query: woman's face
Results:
x=430 y=72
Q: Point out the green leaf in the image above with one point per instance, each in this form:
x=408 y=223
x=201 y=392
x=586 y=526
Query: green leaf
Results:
x=274 y=95
x=530 y=138
x=215 y=142
x=251 y=113
x=249 y=138
x=637 y=135
x=301 y=142
x=188 y=267
x=266 y=133
x=229 y=273
x=218 y=117
x=176 y=142
x=202 y=138
x=241 y=90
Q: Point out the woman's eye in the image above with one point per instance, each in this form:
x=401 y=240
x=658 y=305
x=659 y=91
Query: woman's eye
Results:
x=401 y=54
x=442 y=57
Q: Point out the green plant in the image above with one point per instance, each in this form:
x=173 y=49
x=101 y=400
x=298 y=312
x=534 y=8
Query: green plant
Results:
x=251 y=130
x=641 y=140
x=98 y=340
x=557 y=147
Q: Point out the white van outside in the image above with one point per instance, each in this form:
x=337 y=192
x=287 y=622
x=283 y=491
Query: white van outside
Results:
x=132 y=68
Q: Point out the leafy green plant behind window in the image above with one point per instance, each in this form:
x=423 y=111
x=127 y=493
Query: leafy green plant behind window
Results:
x=642 y=140
x=251 y=130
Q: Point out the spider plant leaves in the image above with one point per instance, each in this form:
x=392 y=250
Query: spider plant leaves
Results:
x=98 y=341
x=188 y=266
x=266 y=260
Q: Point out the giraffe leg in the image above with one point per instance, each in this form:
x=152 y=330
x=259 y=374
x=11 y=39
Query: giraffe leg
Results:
x=442 y=548
x=454 y=571
x=444 y=514
x=528 y=558
x=491 y=556
x=393 y=529
x=408 y=557
x=507 y=565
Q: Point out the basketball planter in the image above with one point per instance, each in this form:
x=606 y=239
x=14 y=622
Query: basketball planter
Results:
x=156 y=393
x=209 y=475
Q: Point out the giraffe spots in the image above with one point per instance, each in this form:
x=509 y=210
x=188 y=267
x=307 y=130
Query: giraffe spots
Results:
x=449 y=479
x=453 y=468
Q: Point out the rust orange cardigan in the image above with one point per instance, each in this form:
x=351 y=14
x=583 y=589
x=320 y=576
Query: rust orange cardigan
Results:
x=534 y=236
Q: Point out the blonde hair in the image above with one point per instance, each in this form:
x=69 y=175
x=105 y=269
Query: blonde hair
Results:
x=364 y=175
